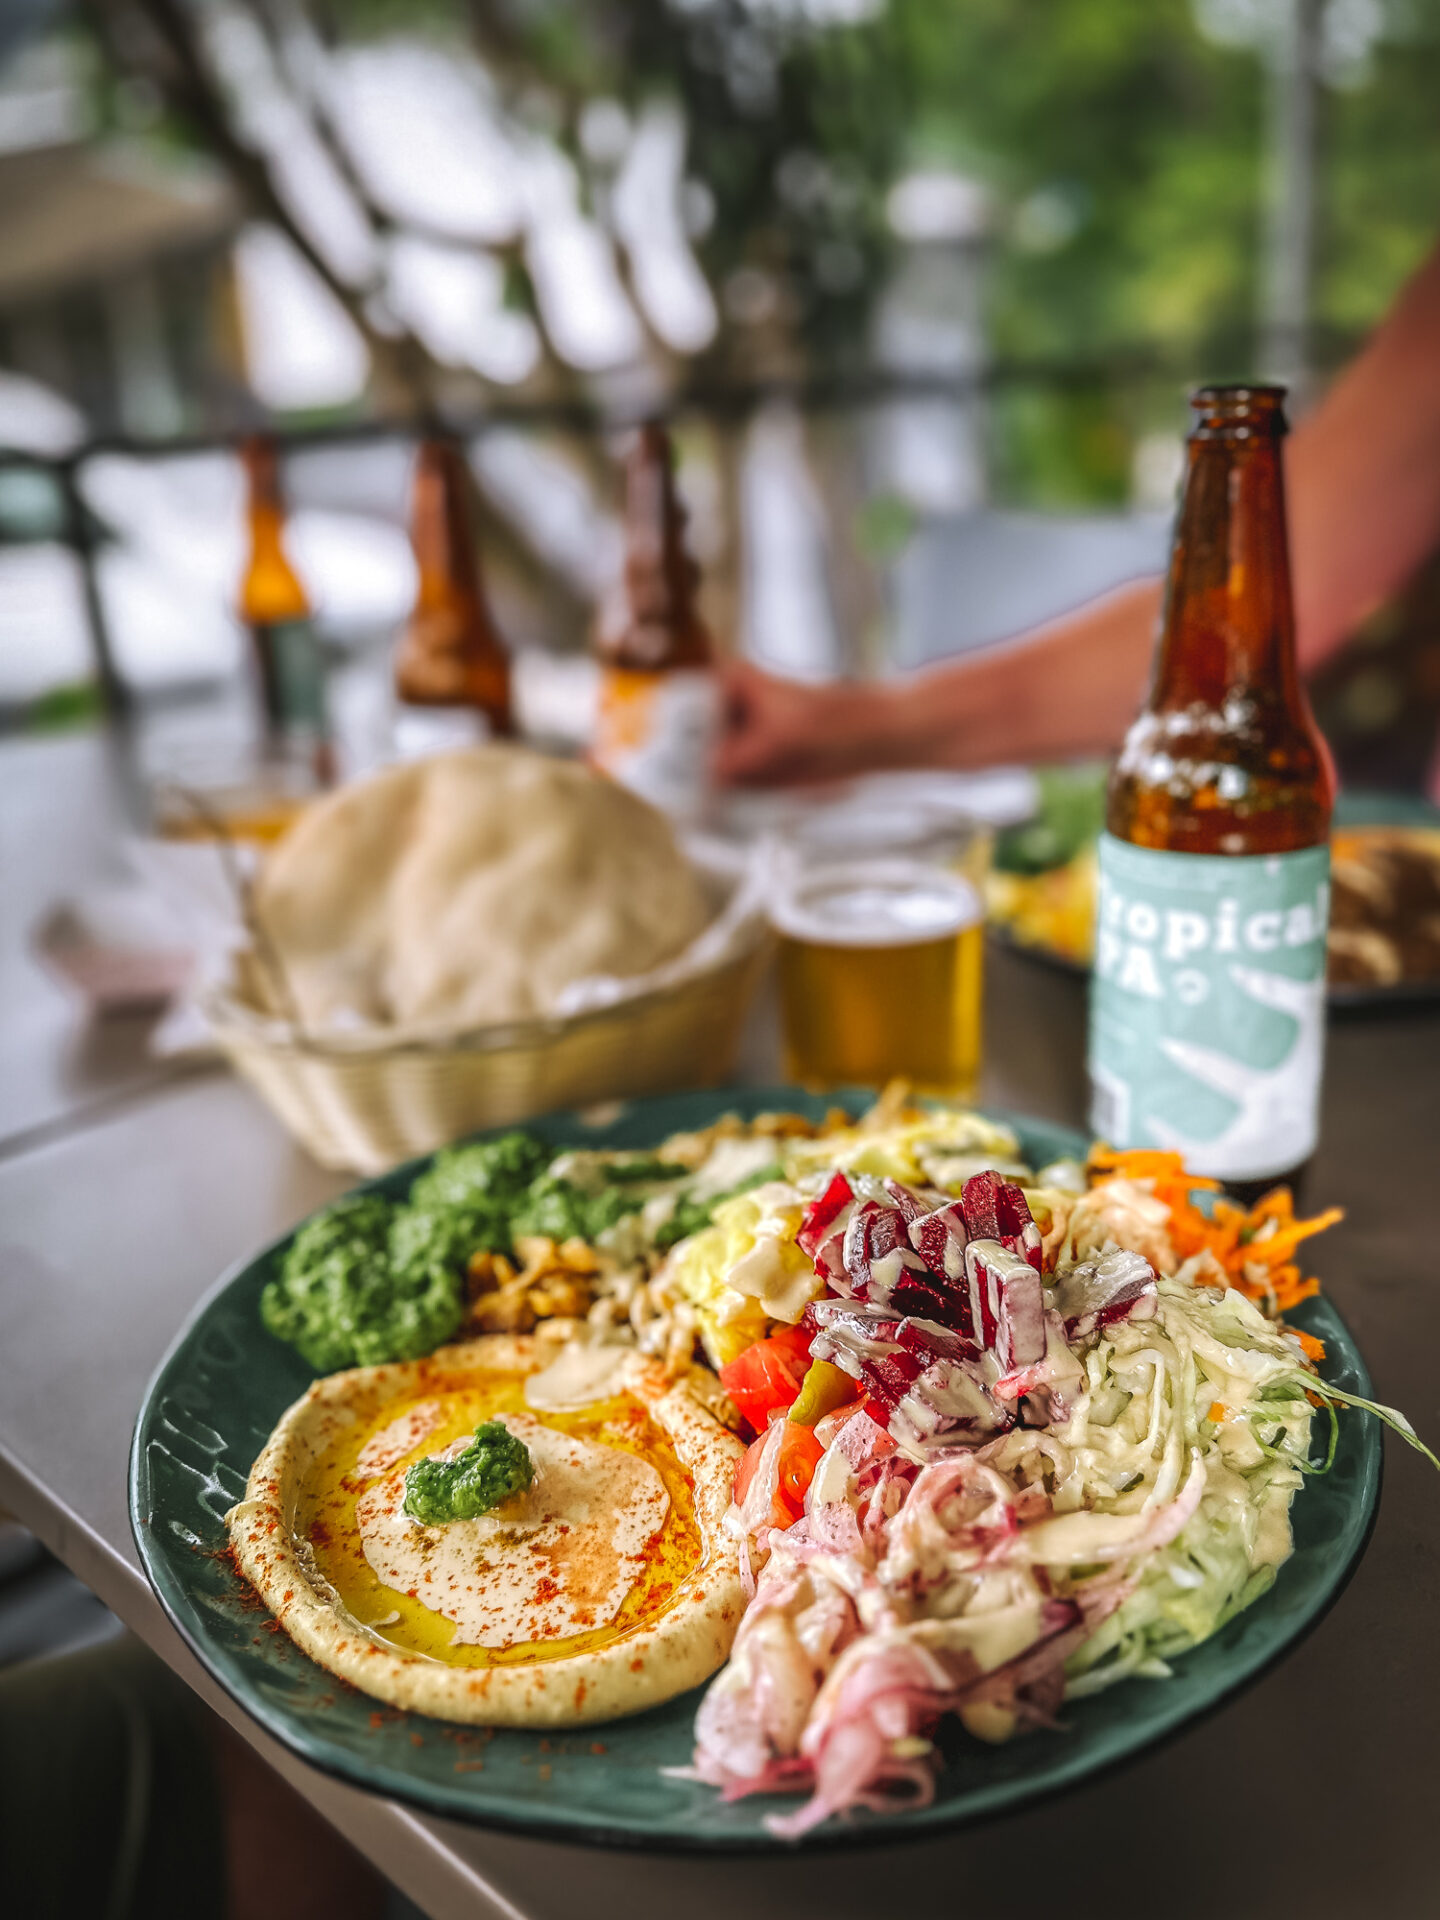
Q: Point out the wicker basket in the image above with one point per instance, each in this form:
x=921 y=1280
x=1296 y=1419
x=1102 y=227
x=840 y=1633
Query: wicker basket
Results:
x=360 y=1103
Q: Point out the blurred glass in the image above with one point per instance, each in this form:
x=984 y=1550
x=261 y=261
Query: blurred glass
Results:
x=880 y=917
x=235 y=794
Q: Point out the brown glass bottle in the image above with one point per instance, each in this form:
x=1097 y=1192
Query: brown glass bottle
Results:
x=451 y=661
x=276 y=612
x=659 y=702
x=1207 y=1008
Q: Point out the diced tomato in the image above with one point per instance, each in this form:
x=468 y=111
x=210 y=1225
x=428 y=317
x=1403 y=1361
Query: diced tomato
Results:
x=765 y=1379
x=800 y=1454
x=745 y=1472
x=798 y=1461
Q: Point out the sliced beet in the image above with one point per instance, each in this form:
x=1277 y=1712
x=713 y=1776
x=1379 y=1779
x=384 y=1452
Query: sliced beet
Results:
x=853 y=1320
x=889 y=1255
x=980 y=1204
x=994 y=1207
x=952 y=1396
x=918 y=1294
x=939 y=1239
x=1006 y=1303
x=1099 y=1292
x=893 y=1273
x=979 y=1256
x=857 y=1245
x=932 y=1341
x=925 y=1298
x=908 y=1203
x=888 y=1376
x=1021 y=1340
x=876 y=1254
x=830 y=1263
x=822 y=1213
x=886 y=1232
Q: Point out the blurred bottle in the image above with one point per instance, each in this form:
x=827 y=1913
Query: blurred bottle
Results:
x=452 y=674
x=659 y=698
x=1207 y=1009
x=288 y=670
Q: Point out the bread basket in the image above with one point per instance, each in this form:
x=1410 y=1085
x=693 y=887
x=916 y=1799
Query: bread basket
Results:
x=363 y=1101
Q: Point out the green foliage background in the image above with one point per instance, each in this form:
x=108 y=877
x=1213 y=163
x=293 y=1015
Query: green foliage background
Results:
x=1138 y=139
x=1124 y=151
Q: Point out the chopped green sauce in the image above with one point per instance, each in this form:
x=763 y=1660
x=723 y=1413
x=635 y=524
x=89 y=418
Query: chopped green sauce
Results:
x=560 y=1210
x=464 y=1202
x=368 y=1281
x=341 y=1301
x=491 y=1469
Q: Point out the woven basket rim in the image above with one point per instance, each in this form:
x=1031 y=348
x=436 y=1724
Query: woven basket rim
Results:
x=236 y=1023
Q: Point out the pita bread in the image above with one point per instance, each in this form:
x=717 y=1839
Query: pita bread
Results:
x=354 y=1431
x=470 y=889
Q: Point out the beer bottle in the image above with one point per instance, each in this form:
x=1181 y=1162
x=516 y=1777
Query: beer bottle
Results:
x=452 y=674
x=1207 y=1006
x=276 y=614
x=659 y=699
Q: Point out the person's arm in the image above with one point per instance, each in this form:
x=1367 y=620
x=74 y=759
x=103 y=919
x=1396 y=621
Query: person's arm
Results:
x=1363 y=474
x=1067 y=689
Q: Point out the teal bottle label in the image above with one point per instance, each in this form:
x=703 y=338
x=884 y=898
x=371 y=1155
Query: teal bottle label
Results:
x=292 y=678
x=300 y=676
x=1207 y=1006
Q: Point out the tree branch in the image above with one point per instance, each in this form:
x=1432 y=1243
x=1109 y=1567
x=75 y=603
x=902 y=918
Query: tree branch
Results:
x=183 y=78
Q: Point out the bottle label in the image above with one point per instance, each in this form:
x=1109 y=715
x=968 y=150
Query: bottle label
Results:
x=1207 y=1005
x=655 y=733
x=421 y=731
x=293 y=675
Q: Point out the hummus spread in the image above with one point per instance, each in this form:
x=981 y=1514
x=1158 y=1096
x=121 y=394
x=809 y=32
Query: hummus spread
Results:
x=553 y=1562
x=605 y=1587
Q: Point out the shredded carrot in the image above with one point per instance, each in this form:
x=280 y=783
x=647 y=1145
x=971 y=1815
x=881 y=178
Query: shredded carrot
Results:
x=1314 y=1349
x=1254 y=1246
x=1217 y=1412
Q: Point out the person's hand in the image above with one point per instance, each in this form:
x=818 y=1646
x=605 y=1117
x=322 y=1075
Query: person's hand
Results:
x=779 y=732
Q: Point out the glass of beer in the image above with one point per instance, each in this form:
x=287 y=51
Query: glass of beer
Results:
x=881 y=953
x=228 y=791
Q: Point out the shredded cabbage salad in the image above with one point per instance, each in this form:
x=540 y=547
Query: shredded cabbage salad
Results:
x=1017 y=1437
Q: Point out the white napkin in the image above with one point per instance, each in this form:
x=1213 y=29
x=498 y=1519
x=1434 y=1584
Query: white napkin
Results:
x=164 y=934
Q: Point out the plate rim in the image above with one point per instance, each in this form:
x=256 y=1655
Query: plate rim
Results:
x=998 y=1800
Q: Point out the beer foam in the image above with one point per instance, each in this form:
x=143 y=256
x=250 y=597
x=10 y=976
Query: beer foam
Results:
x=877 y=904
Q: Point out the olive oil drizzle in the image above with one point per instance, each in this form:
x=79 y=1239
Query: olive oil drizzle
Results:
x=326 y=1521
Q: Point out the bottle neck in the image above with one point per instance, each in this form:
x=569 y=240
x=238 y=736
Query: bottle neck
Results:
x=441 y=536
x=657 y=627
x=1229 y=627
x=451 y=655
x=270 y=591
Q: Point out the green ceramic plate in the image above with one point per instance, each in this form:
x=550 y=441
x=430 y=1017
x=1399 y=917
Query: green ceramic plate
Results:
x=225 y=1383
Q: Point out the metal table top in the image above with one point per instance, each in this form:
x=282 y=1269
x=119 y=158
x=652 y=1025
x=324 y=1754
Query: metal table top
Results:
x=126 y=1190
